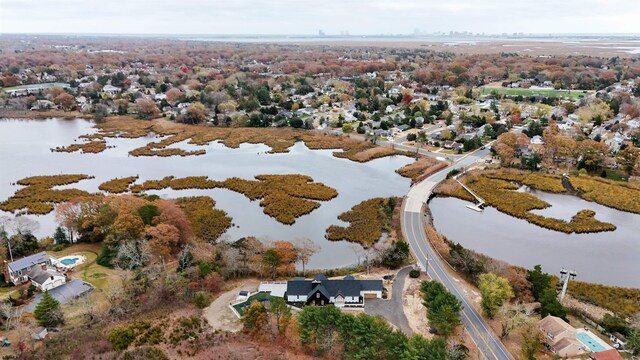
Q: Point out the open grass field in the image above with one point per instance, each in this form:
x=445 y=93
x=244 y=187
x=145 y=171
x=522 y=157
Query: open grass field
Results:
x=571 y=94
x=89 y=271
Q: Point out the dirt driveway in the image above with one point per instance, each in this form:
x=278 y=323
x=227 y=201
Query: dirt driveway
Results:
x=218 y=313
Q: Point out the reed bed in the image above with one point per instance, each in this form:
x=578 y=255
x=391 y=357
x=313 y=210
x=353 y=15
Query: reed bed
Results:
x=39 y=197
x=367 y=220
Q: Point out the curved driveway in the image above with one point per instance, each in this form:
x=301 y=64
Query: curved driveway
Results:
x=392 y=309
x=413 y=230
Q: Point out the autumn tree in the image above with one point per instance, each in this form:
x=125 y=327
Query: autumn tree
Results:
x=128 y=226
x=281 y=313
x=255 y=318
x=55 y=91
x=531 y=342
x=495 y=291
x=173 y=95
x=195 y=114
x=146 y=108
x=163 y=239
x=66 y=101
x=598 y=111
x=68 y=214
x=628 y=158
x=172 y=214
x=592 y=154
x=305 y=249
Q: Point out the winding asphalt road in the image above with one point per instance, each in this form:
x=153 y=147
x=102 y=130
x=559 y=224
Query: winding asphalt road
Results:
x=413 y=230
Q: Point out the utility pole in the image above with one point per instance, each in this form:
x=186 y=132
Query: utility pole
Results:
x=565 y=276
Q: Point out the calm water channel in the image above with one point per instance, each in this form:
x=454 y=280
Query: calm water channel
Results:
x=25 y=151
x=611 y=258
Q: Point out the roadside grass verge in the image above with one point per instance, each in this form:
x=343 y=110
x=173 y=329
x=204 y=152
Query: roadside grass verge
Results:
x=421 y=168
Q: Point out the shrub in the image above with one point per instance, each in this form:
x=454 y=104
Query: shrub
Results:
x=106 y=256
x=414 y=274
x=58 y=247
x=201 y=300
x=145 y=353
x=452 y=173
x=120 y=338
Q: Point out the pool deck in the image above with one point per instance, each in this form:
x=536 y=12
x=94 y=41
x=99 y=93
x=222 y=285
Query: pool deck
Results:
x=595 y=338
x=79 y=260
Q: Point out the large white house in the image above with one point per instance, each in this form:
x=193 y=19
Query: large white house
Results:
x=36 y=268
x=322 y=291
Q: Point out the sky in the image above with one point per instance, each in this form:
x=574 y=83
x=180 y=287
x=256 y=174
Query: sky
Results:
x=305 y=17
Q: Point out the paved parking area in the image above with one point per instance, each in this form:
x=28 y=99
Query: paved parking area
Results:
x=63 y=293
x=392 y=309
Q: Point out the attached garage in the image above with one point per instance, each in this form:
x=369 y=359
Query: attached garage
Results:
x=47 y=280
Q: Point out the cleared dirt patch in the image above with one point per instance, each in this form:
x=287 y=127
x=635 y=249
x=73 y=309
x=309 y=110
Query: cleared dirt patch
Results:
x=219 y=315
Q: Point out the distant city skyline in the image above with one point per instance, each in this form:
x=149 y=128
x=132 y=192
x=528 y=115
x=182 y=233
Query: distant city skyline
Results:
x=333 y=17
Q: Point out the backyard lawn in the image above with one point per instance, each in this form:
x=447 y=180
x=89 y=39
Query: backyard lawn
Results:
x=89 y=271
x=255 y=297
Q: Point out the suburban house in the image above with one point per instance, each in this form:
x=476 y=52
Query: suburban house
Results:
x=322 y=291
x=36 y=268
x=111 y=90
x=560 y=337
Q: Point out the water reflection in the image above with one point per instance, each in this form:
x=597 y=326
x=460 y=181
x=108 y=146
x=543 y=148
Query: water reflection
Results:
x=609 y=258
x=25 y=151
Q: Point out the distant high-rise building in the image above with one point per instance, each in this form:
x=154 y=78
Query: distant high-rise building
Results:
x=321 y=33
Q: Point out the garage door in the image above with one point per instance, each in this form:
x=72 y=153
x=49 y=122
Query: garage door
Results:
x=370 y=296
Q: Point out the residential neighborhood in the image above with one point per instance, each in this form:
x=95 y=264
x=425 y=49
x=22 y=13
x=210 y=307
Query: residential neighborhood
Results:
x=443 y=196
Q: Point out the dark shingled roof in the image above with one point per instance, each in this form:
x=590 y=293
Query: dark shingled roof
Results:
x=331 y=288
x=321 y=289
x=39 y=276
x=320 y=277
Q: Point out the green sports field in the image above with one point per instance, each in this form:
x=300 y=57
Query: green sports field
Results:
x=573 y=94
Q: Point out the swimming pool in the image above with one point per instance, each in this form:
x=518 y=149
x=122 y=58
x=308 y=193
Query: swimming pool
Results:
x=69 y=261
x=592 y=344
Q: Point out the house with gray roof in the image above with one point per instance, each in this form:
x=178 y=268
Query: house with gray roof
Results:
x=322 y=291
x=36 y=268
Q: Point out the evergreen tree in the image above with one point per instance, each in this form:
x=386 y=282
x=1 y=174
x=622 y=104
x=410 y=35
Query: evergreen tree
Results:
x=48 y=312
x=60 y=236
